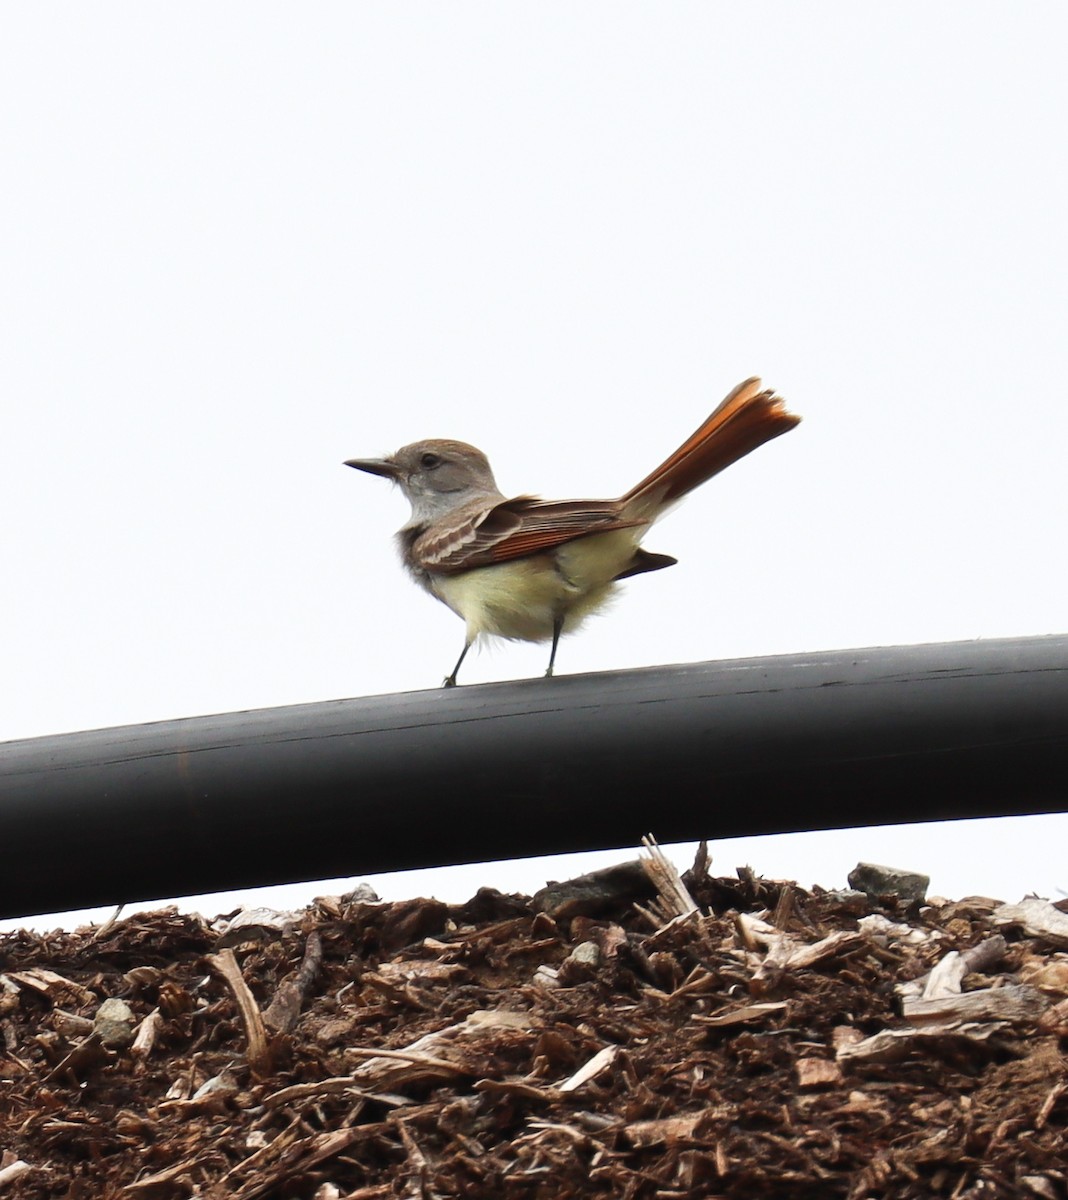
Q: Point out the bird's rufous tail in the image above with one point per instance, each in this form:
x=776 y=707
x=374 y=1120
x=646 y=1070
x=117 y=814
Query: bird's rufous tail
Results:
x=746 y=419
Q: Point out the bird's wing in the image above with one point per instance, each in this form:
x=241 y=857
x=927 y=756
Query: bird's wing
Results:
x=514 y=529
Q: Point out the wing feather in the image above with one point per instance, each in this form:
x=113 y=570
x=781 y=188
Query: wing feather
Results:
x=515 y=529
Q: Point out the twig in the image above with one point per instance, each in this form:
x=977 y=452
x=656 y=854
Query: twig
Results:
x=284 y=1009
x=410 y=1056
x=109 y=924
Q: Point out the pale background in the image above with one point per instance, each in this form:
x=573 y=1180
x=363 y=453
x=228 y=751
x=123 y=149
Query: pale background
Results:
x=240 y=243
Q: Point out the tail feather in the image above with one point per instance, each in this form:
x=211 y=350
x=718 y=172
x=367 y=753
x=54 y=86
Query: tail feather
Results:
x=746 y=419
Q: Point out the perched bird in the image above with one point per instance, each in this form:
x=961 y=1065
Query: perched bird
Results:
x=531 y=569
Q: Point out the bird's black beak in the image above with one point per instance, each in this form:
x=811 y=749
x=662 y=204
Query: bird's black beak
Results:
x=374 y=466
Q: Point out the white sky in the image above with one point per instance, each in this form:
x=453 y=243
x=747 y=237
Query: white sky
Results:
x=241 y=243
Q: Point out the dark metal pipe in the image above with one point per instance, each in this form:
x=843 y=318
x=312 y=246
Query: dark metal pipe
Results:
x=763 y=745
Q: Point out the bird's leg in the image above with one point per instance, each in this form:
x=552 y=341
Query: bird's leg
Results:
x=451 y=680
x=558 y=626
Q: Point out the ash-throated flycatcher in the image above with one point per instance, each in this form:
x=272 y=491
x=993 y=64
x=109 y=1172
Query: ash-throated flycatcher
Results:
x=530 y=569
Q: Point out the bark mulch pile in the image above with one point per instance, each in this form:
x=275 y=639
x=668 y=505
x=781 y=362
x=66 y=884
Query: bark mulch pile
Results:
x=628 y=1035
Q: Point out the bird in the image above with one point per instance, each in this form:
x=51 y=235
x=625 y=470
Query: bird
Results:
x=529 y=569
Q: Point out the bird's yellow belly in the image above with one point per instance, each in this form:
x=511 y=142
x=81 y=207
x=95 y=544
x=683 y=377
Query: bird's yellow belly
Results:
x=522 y=599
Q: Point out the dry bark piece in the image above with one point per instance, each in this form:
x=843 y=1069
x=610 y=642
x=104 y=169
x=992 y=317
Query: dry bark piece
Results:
x=82 y=1060
x=946 y=977
x=12 y=1172
x=893 y=1045
x=1037 y=918
x=158 y=1183
x=71 y=1025
x=610 y=890
x=885 y=932
x=1049 y=977
x=1015 y=1003
x=282 y=1013
x=460 y=1049
x=421 y=972
x=48 y=983
x=255 y=924
x=146 y=1034
x=746 y=1014
x=1047 y=1187
x=1055 y=1093
x=306 y=1155
x=786 y=953
x=672 y=897
x=516 y=1087
x=597 y=1065
x=845 y=1035
x=644 y=1134
x=1055 y=1019
x=815 y=1073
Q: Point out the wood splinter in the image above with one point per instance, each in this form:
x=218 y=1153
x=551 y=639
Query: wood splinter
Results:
x=259 y=1051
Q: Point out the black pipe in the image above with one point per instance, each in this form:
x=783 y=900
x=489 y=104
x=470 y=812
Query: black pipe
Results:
x=763 y=745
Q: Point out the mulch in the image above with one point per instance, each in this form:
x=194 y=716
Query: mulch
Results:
x=770 y=1041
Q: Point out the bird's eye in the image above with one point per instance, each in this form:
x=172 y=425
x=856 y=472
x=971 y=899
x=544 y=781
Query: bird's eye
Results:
x=430 y=460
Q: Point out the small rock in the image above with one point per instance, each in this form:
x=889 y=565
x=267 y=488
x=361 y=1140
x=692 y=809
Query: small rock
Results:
x=910 y=887
x=114 y=1023
x=587 y=954
x=217 y=1087
x=362 y=893
x=547 y=976
x=581 y=964
x=847 y=900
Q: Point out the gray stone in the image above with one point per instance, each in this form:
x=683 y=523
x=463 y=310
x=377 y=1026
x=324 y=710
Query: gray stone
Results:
x=587 y=954
x=910 y=887
x=114 y=1023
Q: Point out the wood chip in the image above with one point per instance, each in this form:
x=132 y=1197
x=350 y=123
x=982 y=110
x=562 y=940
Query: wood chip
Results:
x=48 y=983
x=414 y=1056
x=672 y=898
x=643 y=1134
x=597 y=1065
x=13 y=1172
x=1037 y=918
x=1014 y=1003
x=745 y=1014
x=817 y=1073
